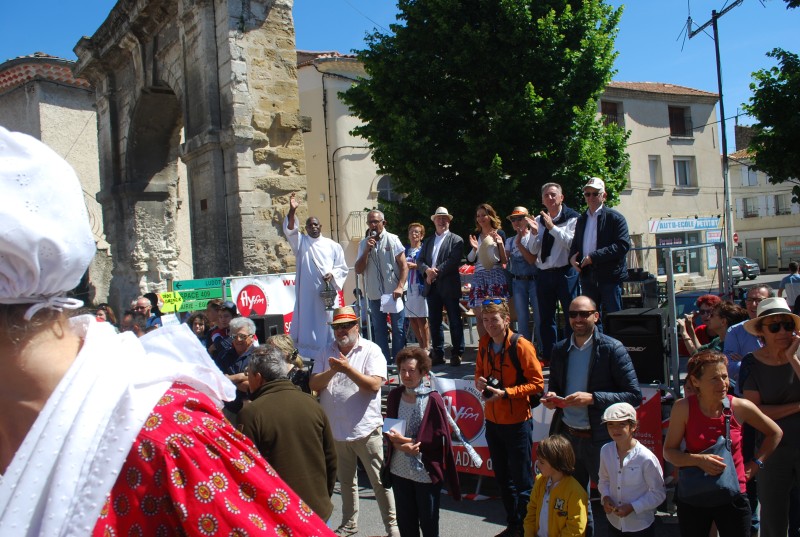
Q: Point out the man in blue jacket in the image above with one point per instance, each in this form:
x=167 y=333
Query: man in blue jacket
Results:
x=599 y=248
x=589 y=372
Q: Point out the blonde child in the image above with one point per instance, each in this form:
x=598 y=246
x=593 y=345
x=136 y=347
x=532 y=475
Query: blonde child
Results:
x=631 y=483
x=558 y=504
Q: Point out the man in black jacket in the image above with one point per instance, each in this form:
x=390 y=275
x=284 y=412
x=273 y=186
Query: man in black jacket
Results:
x=439 y=262
x=599 y=248
x=588 y=373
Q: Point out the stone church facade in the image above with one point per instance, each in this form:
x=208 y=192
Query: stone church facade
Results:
x=199 y=137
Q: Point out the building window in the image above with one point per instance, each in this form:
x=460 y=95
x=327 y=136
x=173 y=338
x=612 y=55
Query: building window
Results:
x=783 y=204
x=612 y=113
x=749 y=176
x=680 y=121
x=750 y=207
x=654 y=164
x=386 y=190
x=684 y=173
x=683 y=261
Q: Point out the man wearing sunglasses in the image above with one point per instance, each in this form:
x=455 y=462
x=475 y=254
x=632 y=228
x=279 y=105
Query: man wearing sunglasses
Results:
x=348 y=377
x=599 y=248
x=589 y=372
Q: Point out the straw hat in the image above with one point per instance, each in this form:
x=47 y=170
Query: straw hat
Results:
x=518 y=211
x=344 y=315
x=774 y=305
x=441 y=211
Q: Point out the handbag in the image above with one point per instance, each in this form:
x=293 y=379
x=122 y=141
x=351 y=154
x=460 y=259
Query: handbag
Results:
x=697 y=488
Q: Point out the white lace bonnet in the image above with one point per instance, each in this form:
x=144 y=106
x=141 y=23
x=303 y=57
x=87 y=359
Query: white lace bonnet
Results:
x=46 y=243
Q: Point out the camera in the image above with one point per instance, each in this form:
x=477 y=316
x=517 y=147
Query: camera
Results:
x=494 y=383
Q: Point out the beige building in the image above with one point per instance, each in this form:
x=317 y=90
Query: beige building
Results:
x=40 y=97
x=675 y=188
x=766 y=220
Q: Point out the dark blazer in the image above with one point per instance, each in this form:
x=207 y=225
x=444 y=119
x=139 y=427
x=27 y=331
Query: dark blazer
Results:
x=434 y=438
x=292 y=432
x=612 y=379
x=613 y=243
x=448 y=283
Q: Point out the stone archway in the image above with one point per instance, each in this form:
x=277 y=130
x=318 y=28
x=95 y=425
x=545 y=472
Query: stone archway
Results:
x=200 y=137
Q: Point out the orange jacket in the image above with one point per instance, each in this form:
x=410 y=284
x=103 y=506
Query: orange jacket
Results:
x=515 y=408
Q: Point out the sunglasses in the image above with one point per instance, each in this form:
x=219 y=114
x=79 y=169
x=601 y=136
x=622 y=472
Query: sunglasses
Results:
x=344 y=326
x=242 y=337
x=517 y=218
x=493 y=301
x=774 y=328
x=705 y=312
x=582 y=314
x=591 y=194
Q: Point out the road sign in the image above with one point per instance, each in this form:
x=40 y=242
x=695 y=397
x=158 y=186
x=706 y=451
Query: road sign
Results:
x=206 y=283
x=193 y=305
x=735 y=237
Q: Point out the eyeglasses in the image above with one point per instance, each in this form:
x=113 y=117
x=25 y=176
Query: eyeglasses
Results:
x=493 y=301
x=591 y=194
x=582 y=314
x=754 y=300
x=242 y=337
x=774 y=328
x=139 y=308
x=374 y=221
x=344 y=326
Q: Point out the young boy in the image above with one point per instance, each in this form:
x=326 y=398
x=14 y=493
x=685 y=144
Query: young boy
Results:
x=558 y=504
x=631 y=483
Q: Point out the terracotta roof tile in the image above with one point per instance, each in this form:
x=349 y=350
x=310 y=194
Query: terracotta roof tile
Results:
x=306 y=57
x=660 y=87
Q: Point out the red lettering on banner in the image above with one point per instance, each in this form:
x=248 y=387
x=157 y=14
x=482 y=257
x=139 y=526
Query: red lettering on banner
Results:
x=288 y=282
x=467 y=412
x=252 y=299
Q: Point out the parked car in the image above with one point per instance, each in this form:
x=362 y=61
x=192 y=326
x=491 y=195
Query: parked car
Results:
x=750 y=268
x=736 y=273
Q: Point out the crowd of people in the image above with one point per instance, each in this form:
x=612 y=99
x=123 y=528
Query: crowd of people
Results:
x=173 y=428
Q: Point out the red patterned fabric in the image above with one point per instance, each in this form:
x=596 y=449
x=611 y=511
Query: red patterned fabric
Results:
x=190 y=473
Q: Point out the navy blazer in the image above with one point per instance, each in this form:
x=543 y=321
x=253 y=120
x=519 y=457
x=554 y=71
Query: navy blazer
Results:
x=612 y=379
x=448 y=283
x=613 y=243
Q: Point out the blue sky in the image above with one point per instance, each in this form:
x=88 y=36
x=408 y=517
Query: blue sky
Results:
x=650 y=42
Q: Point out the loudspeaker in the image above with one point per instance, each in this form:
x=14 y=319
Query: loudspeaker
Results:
x=268 y=325
x=641 y=331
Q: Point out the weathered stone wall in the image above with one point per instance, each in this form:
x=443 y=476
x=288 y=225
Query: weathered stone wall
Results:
x=198 y=119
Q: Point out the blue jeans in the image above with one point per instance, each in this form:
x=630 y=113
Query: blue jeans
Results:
x=524 y=295
x=554 y=286
x=381 y=332
x=417 y=506
x=607 y=296
x=510 y=448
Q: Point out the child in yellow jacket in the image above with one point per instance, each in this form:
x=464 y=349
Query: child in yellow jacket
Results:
x=558 y=504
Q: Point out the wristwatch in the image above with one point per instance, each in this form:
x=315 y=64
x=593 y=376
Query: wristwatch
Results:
x=759 y=463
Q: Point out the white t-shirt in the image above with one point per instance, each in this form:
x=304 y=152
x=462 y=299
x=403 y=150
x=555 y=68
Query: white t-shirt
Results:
x=352 y=412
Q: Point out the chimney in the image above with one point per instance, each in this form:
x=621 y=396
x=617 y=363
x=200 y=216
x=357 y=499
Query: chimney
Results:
x=743 y=135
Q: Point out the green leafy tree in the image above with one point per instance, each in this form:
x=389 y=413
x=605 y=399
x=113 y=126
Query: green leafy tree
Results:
x=471 y=101
x=776 y=106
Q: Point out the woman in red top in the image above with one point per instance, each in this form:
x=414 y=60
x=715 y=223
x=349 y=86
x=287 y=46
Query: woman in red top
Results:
x=698 y=420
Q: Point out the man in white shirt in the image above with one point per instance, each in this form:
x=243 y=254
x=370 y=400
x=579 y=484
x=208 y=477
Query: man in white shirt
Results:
x=382 y=260
x=348 y=377
x=556 y=280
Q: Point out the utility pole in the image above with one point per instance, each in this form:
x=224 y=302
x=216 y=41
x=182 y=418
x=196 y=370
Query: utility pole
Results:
x=725 y=178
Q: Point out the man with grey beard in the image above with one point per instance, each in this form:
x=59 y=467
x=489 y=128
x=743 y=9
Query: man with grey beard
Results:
x=348 y=376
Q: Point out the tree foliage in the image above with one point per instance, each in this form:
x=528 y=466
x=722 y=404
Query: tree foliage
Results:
x=776 y=106
x=471 y=101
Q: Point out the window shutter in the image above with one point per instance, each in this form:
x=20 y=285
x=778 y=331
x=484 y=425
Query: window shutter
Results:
x=763 y=205
x=739 y=208
x=743 y=169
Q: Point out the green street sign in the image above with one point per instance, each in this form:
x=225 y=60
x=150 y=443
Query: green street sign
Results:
x=193 y=305
x=206 y=283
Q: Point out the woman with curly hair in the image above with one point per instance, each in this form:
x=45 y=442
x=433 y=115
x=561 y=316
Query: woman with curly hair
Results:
x=489 y=255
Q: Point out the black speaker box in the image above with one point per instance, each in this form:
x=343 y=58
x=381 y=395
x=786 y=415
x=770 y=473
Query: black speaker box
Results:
x=268 y=325
x=641 y=331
